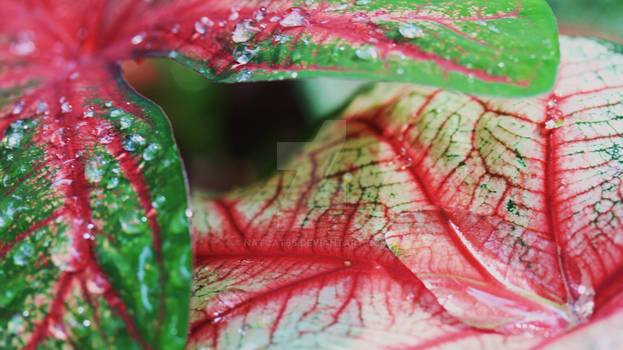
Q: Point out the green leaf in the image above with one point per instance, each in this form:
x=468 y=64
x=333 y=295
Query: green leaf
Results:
x=493 y=47
x=94 y=237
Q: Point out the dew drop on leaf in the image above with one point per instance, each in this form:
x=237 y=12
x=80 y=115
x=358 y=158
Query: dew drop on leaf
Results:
x=14 y=135
x=42 y=108
x=23 y=254
x=294 y=18
x=137 y=39
x=88 y=113
x=243 y=54
x=553 y=124
x=151 y=151
x=94 y=170
x=244 y=75
x=202 y=25
x=18 y=107
x=133 y=142
x=410 y=31
x=243 y=32
x=116 y=113
x=66 y=107
x=126 y=121
x=367 y=52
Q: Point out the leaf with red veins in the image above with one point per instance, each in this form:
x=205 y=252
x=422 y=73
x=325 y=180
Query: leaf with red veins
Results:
x=300 y=262
x=496 y=47
x=520 y=224
x=495 y=208
x=94 y=238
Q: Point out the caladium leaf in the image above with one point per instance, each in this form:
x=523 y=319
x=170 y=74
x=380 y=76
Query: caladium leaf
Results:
x=505 y=214
x=94 y=234
x=496 y=47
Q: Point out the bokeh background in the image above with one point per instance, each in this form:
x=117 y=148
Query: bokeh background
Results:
x=228 y=133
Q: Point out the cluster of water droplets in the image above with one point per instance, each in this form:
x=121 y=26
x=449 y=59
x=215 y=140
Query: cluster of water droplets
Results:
x=553 y=113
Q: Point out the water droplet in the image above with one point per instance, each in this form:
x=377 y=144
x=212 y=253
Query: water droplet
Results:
x=18 y=107
x=42 y=108
x=66 y=107
x=137 y=39
x=347 y=263
x=133 y=142
x=158 y=201
x=362 y=2
x=188 y=213
x=553 y=124
x=243 y=54
x=151 y=151
x=108 y=104
x=202 y=25
x=244 y=75
x=86 y=323
x=88 y=113
x=410 y=31
x=243 y=32
x=126 y=121
x=552 y=103
x=281 y=38
x=116 y=113
x=293 y=75
x=175 y=29
x=294 y=18
x=94 y=170
x=501 y=64
x=367 y=52
x=234 y=14
x=74 y=76
x=23 y=254
x=14 y=135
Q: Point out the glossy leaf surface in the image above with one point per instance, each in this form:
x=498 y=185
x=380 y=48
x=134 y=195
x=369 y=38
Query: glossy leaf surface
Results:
x=94 y=236
x=429 y=218
x=495 y=47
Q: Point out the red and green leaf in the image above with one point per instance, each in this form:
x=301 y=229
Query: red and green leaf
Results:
x=94 y=244
x=94 y=247
x=493 y=47
x=94 y=237
x=430 y=219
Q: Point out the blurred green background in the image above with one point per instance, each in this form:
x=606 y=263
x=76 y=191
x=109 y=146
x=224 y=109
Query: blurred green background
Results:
x=228 y=133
